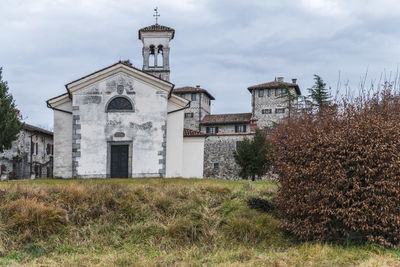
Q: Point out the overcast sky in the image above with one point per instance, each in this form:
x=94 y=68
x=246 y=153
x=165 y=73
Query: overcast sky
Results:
x=224 y=46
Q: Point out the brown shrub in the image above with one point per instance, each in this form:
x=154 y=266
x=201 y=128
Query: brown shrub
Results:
x=29 y=219
x=339 y=172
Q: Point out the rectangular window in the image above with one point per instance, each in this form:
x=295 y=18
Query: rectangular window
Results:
x=266 y=111
x=34 y=148
x=279 y=110
x=284 y=91
x=240 y=128
x=269 y=92
x=194 y=97
x=212 y=130
x=276 y=92
x=189 y=115
x=215 y=165
x=261 y=93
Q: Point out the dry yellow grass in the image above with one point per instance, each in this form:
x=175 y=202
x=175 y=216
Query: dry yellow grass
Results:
x=153 y=222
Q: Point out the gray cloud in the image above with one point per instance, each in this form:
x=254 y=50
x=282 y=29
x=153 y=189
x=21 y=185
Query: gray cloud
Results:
x=225 y=46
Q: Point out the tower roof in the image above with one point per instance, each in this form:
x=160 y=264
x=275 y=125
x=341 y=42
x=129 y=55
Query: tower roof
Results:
x=189 y=89
x=275 y=84
x=157 y=28
x=231 y=118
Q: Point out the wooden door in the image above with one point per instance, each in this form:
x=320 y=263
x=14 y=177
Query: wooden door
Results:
x=119 y=161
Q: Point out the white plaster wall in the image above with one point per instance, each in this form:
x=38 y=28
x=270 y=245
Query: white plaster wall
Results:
x=63 y=142
x=174 y=155
x=144 y=127
x=193 y=157
x=156 y=39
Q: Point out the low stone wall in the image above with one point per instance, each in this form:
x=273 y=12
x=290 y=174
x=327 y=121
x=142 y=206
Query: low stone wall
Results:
x=219 y=149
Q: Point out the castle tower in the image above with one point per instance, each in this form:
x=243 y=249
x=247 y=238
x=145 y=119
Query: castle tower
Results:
x=155 y=39
x=270 y=101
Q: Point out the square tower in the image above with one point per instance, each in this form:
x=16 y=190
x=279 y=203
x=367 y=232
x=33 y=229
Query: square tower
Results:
x=274 y=101
x=155 y=39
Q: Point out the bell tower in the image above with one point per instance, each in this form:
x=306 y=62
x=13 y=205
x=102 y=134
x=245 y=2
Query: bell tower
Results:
x=155 y=39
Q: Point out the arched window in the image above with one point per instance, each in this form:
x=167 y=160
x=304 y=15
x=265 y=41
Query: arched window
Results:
x=160 y=56
x=152 y=55
x=120 y=104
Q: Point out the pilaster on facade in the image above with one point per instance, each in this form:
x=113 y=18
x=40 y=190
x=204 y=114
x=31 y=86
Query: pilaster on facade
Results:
x=76 y=140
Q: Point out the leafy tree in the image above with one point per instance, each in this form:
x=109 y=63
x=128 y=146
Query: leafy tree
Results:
x=290 y=98
x=10 y=124
x=251 y=156
x=319 y=94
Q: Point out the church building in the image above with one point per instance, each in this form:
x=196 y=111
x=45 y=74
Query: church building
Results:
x=124 y=122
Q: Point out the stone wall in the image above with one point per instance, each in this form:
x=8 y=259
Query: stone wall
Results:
x=199 y=108
x=219 y=149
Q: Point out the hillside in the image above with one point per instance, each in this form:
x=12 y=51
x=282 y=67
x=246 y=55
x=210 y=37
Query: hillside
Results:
x=148 y=222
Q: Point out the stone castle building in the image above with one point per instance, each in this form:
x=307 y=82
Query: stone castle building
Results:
x=271 y=102
x=124 y=122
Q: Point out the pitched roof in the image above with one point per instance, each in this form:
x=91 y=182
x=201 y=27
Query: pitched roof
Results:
x=119 y=62
x=36 y=129
x=157 y=28
x=191 y=133
x=227 y=118
x=189 y=89
x=275 y=84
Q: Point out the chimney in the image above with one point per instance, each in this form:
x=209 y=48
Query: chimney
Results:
x=253 y=124
x=294 y=80
x=197 y=86
x=280 y=79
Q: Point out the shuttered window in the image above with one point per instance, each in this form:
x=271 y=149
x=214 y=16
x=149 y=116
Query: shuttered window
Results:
x=212 y=130
x=240 y=128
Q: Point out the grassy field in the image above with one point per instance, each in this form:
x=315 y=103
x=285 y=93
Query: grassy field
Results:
x=153 y=222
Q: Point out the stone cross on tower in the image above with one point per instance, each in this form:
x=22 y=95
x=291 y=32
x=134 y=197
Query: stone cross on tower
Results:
x=156 y=15
x=155 y=51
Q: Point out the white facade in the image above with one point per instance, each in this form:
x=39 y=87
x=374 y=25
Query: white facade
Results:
x=193 y=150
x=85 y=130
x=63 y=138
x=174 y=156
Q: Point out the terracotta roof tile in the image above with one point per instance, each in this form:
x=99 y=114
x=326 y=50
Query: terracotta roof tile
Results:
x=192 y=133
x=275 y=84
x=157 y=28
x=227 y=118
x=189 y=89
